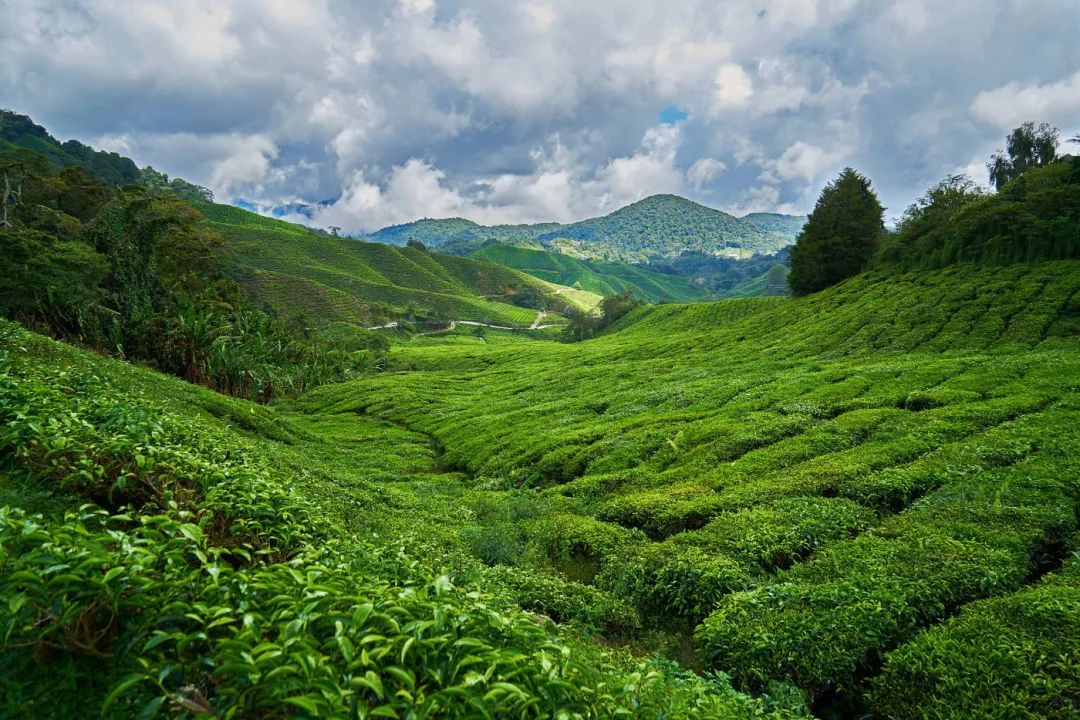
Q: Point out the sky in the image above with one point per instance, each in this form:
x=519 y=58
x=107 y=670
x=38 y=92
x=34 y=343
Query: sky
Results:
x=507 y=111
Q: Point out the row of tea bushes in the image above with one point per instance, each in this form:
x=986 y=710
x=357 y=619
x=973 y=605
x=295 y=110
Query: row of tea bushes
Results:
x=827 y=619
x=199 y=586
x=1008 y=657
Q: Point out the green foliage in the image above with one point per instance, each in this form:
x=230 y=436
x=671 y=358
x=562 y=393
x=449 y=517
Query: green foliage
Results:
x=604 y=278
x=1035 y=217
x=1028 y=147
x=155 y=181
x=220 y=592
x=612 y=309
x=841 y=236
x=19 y=131
x=137 y=273
x=818 y=478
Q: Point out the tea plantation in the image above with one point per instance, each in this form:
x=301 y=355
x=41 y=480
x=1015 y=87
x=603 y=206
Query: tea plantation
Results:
x=859 y=503
x=336 y=279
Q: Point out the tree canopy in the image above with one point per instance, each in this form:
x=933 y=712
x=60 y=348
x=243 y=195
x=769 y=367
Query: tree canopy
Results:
x=840 y=238
x=1027 y=146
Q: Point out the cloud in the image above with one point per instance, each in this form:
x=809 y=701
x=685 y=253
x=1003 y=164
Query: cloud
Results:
x=546 y=109
x=703 y=170
x=733 y=87
x=1014 y=103
x=803 y=161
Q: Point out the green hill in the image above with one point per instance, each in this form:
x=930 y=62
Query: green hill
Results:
x=814 y=481
x=603 y=278
x=335 y=279
x=658 y=228
x=19 y=131
x=663 y=227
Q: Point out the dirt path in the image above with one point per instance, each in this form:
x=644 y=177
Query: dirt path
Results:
x=540 y=315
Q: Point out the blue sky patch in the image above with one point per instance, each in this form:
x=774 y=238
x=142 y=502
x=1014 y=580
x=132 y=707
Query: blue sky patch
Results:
x=673 y=114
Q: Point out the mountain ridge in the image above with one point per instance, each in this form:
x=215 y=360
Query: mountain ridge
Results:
x=658 y=227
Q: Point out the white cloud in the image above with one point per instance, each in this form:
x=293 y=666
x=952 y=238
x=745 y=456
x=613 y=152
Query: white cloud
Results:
x=1014 y=103
x=803 y=161
x=294 y=99
x=733 y=87
x=703 y=170
x=559 y=187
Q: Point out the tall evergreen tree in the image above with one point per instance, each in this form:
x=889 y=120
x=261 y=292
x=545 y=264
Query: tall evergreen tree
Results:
x=840 y=237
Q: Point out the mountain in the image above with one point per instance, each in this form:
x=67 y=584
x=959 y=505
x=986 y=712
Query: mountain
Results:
x=604 y=278
x=663 y=227
x=460 y=235
x=660 y=227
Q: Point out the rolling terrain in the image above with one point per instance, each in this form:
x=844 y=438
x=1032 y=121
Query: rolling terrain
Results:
x=815 y=482
x=660 y=227
x=602 y=278
x=222 y=497
x=335 y=279
x=857 y=493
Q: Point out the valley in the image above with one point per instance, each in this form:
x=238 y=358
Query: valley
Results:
x=254 y=469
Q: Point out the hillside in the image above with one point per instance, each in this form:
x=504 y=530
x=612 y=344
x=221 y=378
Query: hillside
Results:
x=603 y=278
x=458 y=234
x=865 y=493
x=661 y=227
x=261 y=571
x=814 y=481
x=335 y=279
x=20 y=132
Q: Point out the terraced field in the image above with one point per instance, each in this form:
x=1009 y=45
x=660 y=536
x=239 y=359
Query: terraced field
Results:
x=333 y=279
x=598 y=277
x=863 y=502
x=811 y=484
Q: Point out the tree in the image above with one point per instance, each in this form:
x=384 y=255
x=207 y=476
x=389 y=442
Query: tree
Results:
x=776 y=278
x=841 y=236
x=1027 y=146
x=927 y=233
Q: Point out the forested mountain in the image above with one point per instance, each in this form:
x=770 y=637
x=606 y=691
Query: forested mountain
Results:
x=658 y=228
x=663 y=227
x=460 y=236
x=19 y=131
